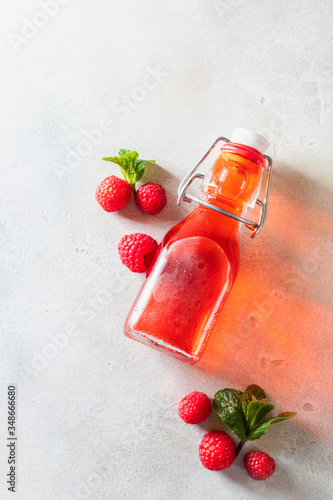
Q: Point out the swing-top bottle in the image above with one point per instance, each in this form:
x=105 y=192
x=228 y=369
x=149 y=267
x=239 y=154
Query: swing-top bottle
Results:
x=198 y=259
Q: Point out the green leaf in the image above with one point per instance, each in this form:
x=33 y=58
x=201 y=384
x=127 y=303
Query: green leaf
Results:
x=250 y=392
x=227 y=400
x=128 y=167
x=123 y=152
x=256 y=411
x=261 y=429
x=114 y=159
x=132 y=168
x=227 y=403
x=140 y=168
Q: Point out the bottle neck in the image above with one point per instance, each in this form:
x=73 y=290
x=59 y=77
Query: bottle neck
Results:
x=233 y=183
x=222 y=229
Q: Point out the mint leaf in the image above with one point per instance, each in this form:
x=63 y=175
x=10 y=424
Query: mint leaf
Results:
x=256 y=411
x=128 y=167
x=227 y=400
x=140 y=168
x=131 y=166
x=227 y=403
x=250 y=391
x=123 y=152
x=261 y=429
x=114 y=159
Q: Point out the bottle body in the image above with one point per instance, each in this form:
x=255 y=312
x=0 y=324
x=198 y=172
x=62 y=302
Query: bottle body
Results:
x=196 y=266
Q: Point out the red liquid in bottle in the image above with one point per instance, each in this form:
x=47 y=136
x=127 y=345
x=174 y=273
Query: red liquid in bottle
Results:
x=197 y=263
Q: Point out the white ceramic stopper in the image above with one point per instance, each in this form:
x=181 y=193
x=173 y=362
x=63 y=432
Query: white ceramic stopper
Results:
x=250 y=138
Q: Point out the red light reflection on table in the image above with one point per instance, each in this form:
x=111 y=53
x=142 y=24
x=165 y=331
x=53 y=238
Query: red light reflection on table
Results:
x=276 y=326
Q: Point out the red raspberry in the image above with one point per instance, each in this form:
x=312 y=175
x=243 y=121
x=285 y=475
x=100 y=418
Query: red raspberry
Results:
x=217 y=450
x=151 y=198
x=137 y=251
x=113 y=193
x=259 y=465
x=194 y=408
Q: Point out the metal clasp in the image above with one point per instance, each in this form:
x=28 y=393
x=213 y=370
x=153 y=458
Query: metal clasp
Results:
x=189 y=178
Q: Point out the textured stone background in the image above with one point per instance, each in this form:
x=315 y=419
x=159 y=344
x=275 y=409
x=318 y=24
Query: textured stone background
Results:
x=97 y=413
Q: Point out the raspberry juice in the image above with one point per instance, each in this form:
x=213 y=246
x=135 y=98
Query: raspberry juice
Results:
x=197 y=261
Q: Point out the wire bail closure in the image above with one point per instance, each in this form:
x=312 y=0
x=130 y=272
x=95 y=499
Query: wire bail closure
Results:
x=189 y=178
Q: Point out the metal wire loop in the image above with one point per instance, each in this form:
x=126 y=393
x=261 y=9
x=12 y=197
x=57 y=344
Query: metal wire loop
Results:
x=189 y=178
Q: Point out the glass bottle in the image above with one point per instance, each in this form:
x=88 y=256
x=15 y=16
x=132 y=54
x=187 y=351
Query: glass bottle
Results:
x=197 y=261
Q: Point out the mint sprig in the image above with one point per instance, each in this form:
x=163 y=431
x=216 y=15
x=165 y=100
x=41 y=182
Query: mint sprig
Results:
x=244 y=412
x=131 y=166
